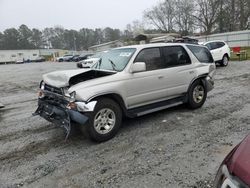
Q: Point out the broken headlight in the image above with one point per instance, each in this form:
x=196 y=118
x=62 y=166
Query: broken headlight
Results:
x=73 y=95
x=69 y=96
x=42 y=85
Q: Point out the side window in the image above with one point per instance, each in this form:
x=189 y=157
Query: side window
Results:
x=175 y=56
x=212 y=45
x=152 y=58
x=201 y=53
x=220 y=44
x=208 y=45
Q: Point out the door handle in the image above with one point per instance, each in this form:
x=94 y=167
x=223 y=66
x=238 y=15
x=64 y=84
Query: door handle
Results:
x=160 y=77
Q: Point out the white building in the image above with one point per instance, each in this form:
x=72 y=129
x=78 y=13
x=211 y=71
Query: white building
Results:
x=234 y=39
x=12 y=56
x=18 y=55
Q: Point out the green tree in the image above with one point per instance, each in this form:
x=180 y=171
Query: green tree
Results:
x=1 y=41
x=25 y=35
x=10 y=39
x=37 y=39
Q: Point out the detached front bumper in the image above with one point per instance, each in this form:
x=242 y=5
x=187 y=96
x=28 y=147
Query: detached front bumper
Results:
x=59 y=115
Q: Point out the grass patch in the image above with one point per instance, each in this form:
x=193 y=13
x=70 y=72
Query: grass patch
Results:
x=234 y=57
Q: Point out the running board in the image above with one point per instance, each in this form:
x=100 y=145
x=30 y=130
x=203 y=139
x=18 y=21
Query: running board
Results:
x=140 y=111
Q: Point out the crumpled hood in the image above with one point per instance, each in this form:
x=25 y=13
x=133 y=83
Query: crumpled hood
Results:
x=239 y=164
x=61 y=78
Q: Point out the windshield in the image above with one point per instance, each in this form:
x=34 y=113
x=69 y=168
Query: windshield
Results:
x=115 y=60
x=97 y=55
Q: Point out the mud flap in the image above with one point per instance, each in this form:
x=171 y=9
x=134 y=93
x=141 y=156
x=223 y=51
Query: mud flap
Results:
x=60 y=116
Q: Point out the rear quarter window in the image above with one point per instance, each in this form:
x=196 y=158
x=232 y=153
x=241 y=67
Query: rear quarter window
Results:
x=220 y=44
x=201 y=53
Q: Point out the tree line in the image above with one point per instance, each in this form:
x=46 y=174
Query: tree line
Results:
x=181 y=16
x=58 y=38
x=203 y=16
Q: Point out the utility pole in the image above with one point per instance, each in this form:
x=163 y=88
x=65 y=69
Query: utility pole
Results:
x=74 y=38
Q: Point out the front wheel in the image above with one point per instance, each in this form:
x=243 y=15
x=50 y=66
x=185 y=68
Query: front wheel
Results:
x=197 y=95
x=224 y=61
x=105 y=121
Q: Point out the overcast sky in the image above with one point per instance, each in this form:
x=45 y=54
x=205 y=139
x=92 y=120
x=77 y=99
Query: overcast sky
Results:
x=71 y=14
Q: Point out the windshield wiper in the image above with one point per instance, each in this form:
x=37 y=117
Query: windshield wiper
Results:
x=99 y=63
x=113 y=65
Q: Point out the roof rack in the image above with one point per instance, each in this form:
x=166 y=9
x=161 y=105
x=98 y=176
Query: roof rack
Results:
x=185 y=40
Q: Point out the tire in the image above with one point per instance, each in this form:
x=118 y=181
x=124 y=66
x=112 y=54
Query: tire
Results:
x=101 y=128
x=197 y=95
x=224 y=61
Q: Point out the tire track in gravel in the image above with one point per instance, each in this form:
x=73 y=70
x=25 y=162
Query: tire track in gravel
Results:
x=177 y=152
x=10 y=136
x=34 y=146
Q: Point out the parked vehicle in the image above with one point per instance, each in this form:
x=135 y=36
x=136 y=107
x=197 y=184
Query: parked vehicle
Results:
x=220 y=51
x=20 y=61
x=234 y=171
x=82 y=57
x=87 y=63
x=65 y=58
x=90 y=61
x=1 y=105
x=74 y=58
x=129 y=81
x=39 y=59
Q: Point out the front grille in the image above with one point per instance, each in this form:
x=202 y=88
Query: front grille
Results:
x=53 y=89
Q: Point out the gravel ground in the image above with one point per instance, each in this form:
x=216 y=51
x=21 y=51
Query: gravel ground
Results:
x=172 y=148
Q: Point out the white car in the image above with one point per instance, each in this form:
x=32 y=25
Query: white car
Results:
x=220 y=51
x=64 y=58
x=87 y=63
x=91 y=61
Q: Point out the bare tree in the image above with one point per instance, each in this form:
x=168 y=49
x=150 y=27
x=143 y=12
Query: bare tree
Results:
x=206 y=14
x=183 y=16
x=137 y=27
x=162 y=16
x=244 y=14
x=234 y=15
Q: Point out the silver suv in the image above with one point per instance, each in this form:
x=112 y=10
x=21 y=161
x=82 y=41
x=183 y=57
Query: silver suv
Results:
x=129 y=81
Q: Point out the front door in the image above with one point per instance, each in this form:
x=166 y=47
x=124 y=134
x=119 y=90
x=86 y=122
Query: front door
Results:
x=146 y=87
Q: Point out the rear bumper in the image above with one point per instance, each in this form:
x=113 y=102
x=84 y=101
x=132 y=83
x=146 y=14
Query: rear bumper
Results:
x=59 y=115
x=209 y=83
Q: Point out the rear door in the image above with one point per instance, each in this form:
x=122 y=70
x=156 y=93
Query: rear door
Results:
x=179 y=71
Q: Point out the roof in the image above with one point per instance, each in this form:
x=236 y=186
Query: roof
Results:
x=104 y=44
x=214 y=41
x=141 y=46
x=143 y=36
x=224 y=34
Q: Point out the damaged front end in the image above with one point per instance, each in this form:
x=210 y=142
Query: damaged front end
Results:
x=61 y=109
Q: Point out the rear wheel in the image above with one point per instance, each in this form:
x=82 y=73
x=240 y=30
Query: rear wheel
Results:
x=225 y=61
x=197 y=95
x=105 y=121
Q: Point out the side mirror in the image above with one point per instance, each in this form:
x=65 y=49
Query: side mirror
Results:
x=138 y=67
